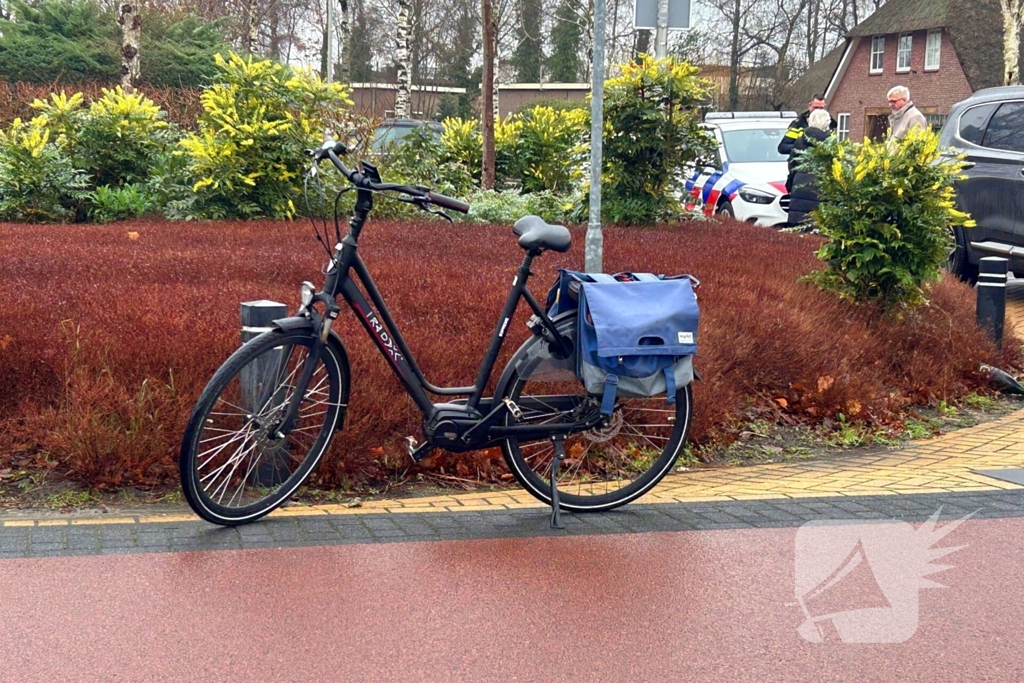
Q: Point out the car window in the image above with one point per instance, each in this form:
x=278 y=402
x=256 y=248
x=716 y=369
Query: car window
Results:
x=753 y=146
x=972 y=123
x=1006 y=128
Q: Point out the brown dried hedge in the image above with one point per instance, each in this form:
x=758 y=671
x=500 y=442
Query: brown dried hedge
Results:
x=181 y=104
x=108 y=337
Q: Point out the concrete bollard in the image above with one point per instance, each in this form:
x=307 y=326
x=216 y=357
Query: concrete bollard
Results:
x=992 y=296
x=257 y=317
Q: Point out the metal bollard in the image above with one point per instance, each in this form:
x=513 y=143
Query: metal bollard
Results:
x=257 y=317
x=992 y=296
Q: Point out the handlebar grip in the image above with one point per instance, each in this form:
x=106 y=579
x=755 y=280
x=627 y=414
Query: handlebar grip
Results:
x=448 y=202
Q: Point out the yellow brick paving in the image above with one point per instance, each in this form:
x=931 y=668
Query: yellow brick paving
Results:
x=938 y=465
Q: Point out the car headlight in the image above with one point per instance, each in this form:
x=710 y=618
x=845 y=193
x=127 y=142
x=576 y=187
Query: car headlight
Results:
x=756 y=197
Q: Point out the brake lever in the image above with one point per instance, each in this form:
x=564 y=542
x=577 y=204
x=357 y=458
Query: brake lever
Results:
x=440 y=213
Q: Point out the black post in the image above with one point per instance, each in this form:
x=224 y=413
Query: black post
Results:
x=257 y=317
x=992 y=296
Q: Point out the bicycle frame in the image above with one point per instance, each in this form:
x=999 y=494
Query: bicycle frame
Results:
x=482 y=414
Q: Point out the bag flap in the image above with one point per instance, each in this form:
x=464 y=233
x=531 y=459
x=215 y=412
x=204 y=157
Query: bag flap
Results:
x=647 y=318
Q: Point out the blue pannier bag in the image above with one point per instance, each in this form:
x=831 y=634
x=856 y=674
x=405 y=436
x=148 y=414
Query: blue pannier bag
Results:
x=636 y=338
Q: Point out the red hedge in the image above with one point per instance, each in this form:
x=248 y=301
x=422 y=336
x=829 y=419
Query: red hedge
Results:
x=106 y=340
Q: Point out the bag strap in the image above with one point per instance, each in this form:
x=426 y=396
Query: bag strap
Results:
x=611 y=385
x=670 y=383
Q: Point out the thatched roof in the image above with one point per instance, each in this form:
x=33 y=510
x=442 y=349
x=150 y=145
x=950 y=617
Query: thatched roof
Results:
x=898 y=16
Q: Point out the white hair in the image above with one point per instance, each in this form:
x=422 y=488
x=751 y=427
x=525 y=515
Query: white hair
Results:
x=901 y=90
x=820 y=119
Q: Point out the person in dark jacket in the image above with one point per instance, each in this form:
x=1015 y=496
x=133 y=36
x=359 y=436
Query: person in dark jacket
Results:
x=796 y=128
x=803 y=190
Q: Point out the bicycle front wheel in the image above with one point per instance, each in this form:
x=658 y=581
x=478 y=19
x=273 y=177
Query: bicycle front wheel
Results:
x=237 y=463
x=604 y=467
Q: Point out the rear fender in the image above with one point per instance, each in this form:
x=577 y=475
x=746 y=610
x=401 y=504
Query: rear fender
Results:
x=337 y=346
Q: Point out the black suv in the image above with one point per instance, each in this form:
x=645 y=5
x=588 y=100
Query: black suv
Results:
x=988 y=128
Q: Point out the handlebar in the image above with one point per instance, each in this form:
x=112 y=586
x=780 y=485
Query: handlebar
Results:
x=333 y=150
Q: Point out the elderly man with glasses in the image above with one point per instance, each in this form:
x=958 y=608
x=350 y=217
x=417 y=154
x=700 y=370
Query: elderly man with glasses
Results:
x=905 y=116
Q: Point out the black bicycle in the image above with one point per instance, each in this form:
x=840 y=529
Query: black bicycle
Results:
x=268 y=414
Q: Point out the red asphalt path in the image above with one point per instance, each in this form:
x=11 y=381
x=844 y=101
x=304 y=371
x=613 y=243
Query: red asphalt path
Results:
x=640 y=607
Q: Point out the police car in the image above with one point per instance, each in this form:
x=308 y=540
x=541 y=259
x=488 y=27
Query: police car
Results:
x=748 y=179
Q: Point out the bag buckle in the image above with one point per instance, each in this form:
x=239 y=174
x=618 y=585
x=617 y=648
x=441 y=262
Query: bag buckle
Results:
x=611 y=385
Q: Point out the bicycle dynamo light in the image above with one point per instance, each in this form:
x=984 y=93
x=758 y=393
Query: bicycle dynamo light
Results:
x=307 y=291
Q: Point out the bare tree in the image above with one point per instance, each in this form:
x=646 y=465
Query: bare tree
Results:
x=128 y=18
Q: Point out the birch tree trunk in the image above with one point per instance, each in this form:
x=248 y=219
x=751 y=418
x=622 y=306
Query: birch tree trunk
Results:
x=1012 y=16
x=128 y=18
x=252 y=29
x=402 y=91
x=345 y=44
x=487 y=95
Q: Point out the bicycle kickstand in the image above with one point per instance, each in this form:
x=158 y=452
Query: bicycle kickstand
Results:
x=555 y=462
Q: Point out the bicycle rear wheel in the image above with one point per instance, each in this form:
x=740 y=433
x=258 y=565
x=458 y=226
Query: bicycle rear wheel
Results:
x=604 y=467
x=236 y=465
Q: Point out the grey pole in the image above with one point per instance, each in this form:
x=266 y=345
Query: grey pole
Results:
x=594 y=246
x=992 y=296
x=661 y=33
x=257 y=317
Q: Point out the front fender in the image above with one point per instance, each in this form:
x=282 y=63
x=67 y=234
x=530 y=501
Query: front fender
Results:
x=300 y=322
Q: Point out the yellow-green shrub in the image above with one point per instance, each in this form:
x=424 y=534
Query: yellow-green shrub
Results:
x=247 y=158
x=886 y=208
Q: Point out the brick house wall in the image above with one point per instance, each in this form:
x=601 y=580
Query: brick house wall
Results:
x=862 y=94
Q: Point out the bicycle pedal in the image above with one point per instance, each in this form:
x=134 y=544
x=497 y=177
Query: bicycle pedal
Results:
x=417 y=451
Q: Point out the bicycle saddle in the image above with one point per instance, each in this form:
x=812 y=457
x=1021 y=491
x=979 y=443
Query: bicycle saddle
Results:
x=534 y=233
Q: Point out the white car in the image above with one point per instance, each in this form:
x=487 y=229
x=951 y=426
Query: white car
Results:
x=748 y=180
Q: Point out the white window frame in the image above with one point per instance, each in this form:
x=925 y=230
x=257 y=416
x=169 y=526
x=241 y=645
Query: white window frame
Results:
x=901 y=53
x=877 y=48
x=843 y=127
x=931 y=50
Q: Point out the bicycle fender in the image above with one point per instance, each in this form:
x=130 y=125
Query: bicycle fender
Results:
x=524 y=351
x=300 y=322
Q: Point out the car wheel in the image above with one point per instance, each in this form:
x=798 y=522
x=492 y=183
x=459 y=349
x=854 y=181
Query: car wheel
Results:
x=725 y=209
x=957 y=262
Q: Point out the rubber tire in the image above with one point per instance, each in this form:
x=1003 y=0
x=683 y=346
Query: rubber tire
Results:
x=539 y=488
x=338 y=380
x=725 y=209
x=958 y=263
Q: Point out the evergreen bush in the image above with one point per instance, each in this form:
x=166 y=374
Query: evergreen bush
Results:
x=886 y=209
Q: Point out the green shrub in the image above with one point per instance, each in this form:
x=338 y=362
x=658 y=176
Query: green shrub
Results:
x=115 y=140
x=886 y=210
x=543 y=148
x=652 y=131
x=508 y=206
x=423 y=159
x=38 y=181
x=247 y=158
x=107 y=204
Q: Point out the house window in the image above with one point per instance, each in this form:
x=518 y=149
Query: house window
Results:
x=843 y=127
x=877 y=54
x=903 y=53
x=932 y=51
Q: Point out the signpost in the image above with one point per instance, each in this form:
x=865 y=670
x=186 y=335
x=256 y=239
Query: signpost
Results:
x=662 y=16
